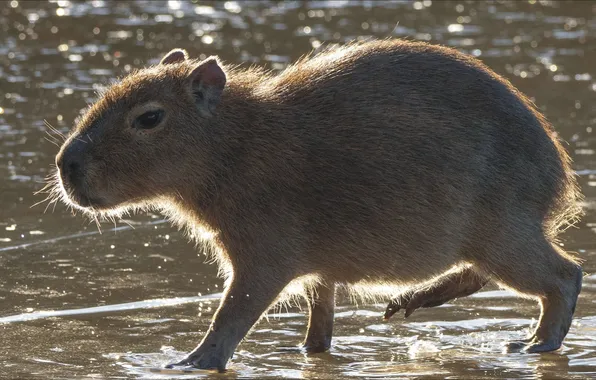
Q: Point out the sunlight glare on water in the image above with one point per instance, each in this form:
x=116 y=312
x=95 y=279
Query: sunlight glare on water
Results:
x=121 y=304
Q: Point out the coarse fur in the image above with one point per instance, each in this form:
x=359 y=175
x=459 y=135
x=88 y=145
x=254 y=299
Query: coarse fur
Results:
x=372 y=165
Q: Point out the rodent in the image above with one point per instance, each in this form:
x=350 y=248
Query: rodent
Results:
x=380 y=162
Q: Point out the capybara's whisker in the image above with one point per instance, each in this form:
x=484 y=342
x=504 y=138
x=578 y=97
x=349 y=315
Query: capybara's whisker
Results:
x=56 y=131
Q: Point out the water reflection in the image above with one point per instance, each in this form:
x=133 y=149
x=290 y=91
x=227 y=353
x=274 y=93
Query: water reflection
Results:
x=76 y=303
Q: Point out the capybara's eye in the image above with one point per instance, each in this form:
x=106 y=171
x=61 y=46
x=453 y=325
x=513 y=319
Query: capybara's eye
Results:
x=149 y=119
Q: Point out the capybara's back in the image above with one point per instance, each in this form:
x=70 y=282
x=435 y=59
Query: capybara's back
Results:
x=418 y=144
x=384 y=162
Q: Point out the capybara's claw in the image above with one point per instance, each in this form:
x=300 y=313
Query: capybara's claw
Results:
x=396 y=304
x=200 y=360
x=410 y=301
x=391 y=309
x=181 y=363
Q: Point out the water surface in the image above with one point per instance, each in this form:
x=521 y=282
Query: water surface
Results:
x=76 y=303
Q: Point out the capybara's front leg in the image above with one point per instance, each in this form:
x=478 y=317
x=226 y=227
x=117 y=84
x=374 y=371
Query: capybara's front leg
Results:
x=247 y=297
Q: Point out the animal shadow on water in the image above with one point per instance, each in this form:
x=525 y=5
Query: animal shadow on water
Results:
x=375 y=163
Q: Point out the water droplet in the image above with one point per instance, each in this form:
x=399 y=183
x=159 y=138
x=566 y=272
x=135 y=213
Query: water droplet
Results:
x=454 y=28
x=174 y=4
x=232 y=6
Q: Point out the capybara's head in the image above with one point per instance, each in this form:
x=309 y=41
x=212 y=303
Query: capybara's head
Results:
x=133 y=144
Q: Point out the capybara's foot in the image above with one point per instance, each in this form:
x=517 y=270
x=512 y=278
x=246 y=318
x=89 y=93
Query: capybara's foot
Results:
x=402 y=301
x=533 y=346
x=519 y=344
x=412 y=300
x=318 y=346
x=543 y=346
x=515 y=346
x=448 y=287
x=201 y=360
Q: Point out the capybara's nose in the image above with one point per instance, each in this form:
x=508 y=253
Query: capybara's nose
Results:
x=70 y=163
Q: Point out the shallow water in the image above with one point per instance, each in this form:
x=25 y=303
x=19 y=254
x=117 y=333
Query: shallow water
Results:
x=77 y=303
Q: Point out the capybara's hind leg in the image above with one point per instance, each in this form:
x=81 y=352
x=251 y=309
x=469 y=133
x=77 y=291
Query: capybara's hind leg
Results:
x=448 y=287
x=557 y=310
x=321 y=303
x=537 y=268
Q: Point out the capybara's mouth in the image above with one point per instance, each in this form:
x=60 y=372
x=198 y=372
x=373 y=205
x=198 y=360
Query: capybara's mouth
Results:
x=94 y=203
x=80 y=198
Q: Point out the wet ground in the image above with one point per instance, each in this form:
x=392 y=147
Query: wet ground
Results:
x=75 y=303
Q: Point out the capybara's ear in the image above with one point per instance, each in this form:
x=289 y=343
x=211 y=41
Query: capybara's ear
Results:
x=174 y=56
x=207 y=83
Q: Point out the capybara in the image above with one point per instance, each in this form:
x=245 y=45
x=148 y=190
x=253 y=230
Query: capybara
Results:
x=383 y=162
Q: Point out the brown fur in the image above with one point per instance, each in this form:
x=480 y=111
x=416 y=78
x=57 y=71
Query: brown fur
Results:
x=385 y=162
